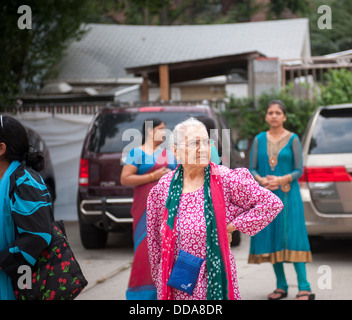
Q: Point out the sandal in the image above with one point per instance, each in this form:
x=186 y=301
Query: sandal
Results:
x=282 y=294
x=311 y=296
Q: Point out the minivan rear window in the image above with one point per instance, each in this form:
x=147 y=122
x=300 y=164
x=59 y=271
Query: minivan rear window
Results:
x=332 y=132
x=108 y=129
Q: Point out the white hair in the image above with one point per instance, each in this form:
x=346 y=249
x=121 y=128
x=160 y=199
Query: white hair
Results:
x=178 y=134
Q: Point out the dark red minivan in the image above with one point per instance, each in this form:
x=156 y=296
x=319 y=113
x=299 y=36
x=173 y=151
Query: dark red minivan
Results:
x=103 y=203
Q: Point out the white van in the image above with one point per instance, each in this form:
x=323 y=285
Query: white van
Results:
x=326 y=184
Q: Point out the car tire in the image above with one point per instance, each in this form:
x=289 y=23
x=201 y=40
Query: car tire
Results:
x=316 y=243
x=91 y=236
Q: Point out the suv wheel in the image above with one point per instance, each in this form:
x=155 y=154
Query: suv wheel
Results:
x=91 y=236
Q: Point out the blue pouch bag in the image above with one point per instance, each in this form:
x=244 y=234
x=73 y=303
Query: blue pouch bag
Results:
x=185 y=272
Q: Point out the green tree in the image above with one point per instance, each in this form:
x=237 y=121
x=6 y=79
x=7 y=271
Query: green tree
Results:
x=27 y=55
x=250 y=120
x=339 y=36
x=277 y=7
x=176 y=12
x=338 y=87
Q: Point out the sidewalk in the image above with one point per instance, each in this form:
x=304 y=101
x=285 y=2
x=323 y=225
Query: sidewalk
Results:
x=108 y=270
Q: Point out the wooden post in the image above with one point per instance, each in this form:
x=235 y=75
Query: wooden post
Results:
x=164 y=82
x=145 y=89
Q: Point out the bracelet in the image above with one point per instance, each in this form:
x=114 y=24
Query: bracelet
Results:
x=288 y=177
x=152 y=176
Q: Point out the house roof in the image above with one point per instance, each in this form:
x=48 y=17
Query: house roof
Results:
x=106 y=51
x=197 y=69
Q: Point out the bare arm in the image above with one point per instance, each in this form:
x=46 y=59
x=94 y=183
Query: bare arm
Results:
x=129 y=176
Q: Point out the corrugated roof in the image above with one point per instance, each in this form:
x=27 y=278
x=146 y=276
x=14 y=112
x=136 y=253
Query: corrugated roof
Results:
x=106 y=50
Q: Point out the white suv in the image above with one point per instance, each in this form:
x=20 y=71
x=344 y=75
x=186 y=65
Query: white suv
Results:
x=326 y=184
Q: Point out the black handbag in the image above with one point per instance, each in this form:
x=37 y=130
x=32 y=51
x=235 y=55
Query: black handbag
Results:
x=56 y=275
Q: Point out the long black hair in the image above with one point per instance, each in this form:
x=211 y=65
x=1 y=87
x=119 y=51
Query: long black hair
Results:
x=155 y=122
x=14 y=135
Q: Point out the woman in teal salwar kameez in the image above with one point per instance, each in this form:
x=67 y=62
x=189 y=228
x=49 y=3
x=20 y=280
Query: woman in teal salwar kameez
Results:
x=276 y=163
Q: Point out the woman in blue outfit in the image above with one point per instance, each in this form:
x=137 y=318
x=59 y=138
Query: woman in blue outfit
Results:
x=25 y=205
x=143 y=168
x=276 y=163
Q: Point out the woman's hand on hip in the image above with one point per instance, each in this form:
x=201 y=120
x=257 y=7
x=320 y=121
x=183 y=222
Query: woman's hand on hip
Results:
x=230 y=229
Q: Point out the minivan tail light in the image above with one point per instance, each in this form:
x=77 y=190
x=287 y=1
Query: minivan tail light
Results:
x=325 y=174
x=83 y=173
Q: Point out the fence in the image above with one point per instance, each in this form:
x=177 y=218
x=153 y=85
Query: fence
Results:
x=305 y=76
x=89 y=108
x=62 y=108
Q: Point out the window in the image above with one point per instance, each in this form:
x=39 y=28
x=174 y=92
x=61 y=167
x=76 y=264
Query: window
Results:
x=108 y=128
x=332 y=132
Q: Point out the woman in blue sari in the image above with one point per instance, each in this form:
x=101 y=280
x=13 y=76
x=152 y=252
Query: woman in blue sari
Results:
x=25 y=205
x=276 y=163
x=143 y=168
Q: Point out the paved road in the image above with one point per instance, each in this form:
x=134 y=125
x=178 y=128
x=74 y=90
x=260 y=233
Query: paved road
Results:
x=108 y=270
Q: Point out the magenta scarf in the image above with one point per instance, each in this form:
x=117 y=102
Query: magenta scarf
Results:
x=169 y=235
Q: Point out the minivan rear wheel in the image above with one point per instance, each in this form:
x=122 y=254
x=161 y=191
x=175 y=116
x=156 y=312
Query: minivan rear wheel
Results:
x=91 y=236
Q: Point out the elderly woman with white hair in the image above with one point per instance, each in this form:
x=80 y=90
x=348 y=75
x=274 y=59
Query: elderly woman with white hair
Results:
x=191 y=214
